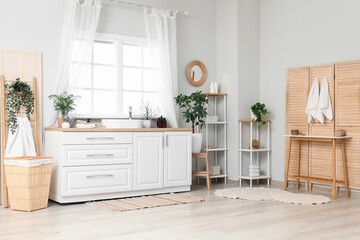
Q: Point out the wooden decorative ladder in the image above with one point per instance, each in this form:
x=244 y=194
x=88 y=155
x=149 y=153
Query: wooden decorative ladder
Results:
x=4 y=128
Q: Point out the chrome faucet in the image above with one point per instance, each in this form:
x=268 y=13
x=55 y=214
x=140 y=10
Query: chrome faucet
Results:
x=130 y=112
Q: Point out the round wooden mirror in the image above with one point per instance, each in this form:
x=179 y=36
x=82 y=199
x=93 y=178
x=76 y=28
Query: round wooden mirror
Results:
x=196 y=73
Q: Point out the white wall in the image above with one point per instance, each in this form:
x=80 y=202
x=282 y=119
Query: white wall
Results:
x=227 y=68
x=238 y=65
x=301 y=33
x=36 y=25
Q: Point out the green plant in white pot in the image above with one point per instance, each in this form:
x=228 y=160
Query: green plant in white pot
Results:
x=195 y=112
x=148 y=112
x=258 y=112
x=65 y=104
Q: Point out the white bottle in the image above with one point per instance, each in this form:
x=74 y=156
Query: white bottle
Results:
x=216 y=87
x=212 y=87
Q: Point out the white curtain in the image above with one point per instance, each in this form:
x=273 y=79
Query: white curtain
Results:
x=160 y=28
x=78 y=34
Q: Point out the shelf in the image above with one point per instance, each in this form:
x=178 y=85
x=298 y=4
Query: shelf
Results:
x=18 y=93
x=254 y=178
x=215 y=94
x=245 y=121
x=215 y=149
x=219 y=176
x=216 y=176
x=255 y=150
x=216 y=122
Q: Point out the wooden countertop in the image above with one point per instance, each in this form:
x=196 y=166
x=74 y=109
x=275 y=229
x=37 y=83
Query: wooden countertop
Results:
x=118 y=129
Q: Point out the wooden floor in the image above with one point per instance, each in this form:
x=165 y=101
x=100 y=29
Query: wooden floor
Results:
x=217 y=218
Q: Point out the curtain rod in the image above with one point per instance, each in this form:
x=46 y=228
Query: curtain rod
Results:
x=142 y=5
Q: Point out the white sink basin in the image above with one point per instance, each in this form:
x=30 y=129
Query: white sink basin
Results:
x=122 y=123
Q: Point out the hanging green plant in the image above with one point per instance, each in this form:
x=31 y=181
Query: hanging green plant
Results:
x=19 y=95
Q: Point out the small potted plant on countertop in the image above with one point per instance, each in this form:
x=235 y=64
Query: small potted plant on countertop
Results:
x=148 y=112
x=258 y=112
x=65 y=104
x=195 y=111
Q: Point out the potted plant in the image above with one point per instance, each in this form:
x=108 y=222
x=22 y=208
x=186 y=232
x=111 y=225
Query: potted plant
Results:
x=148 y=112
x=65 y=104
x=195 y=111
x=258 y=112
x=19 y=95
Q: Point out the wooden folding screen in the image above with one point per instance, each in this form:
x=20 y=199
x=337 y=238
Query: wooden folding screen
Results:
x=344 y=90
x=24 y=65
x=347 y=117
x=320 y=154
x=296 y=99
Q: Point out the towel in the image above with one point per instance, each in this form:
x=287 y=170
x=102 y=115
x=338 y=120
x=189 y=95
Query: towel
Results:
x=21 y=143
x=313 y=100
x=324 y=106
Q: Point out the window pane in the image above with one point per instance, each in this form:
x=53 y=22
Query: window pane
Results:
x=83 y=104
x=150 y=79
x=104 y=52
x=151 y=59
x=131 y=99
x=154 y=100
x=82 y=74
x=104 y=77
x=132 y=55
x=105 y=102
x=132 y=79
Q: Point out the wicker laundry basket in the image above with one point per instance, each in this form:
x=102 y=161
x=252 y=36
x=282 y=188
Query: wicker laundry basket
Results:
x=28 y=185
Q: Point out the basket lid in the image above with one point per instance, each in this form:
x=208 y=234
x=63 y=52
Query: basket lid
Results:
x=27 y=158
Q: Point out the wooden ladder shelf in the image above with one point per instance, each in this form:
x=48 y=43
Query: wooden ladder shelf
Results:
x=4 y=129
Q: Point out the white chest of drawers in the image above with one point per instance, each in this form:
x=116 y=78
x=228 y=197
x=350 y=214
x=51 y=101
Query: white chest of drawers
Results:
x=102 y=165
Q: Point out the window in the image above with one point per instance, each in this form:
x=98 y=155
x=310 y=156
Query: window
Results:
x=122 y=73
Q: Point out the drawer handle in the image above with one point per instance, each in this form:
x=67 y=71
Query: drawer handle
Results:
x=100 y=176
x=100 y=155
x=100 y=138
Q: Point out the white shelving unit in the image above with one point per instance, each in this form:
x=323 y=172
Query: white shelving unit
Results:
x=216 y=148
x=253 y=152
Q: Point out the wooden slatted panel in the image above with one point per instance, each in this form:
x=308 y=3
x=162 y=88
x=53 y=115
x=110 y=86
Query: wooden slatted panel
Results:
x=347 y=117
x=296 y=95
x=347 y=94
x=352 y=153
x=304 y=153
x=320 y=154
x=297 y=88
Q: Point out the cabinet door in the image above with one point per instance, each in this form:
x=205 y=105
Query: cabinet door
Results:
x=148 y=161
x=177 y=159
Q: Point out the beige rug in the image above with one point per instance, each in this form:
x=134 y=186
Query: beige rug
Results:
x=134 y=203
x=268 y=194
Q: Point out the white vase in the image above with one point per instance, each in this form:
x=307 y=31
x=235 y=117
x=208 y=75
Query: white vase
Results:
x=252 y=115
x=65 y=125
x=146 y=123
x=196 y=142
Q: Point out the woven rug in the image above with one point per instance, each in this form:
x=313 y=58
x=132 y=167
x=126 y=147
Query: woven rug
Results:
x=268 y=194
x=134 y=203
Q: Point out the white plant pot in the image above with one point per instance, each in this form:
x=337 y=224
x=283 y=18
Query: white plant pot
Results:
x=196 y=142
x=65 y=125
x=146 y=123
x=253 y=117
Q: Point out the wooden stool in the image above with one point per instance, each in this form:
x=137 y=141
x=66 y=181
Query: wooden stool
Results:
x=203 y=173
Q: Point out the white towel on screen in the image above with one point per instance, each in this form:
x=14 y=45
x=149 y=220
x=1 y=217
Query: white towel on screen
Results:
x=324 y=106
x=313 y=100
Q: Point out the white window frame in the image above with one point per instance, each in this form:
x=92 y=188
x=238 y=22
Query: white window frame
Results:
x=119 y=41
